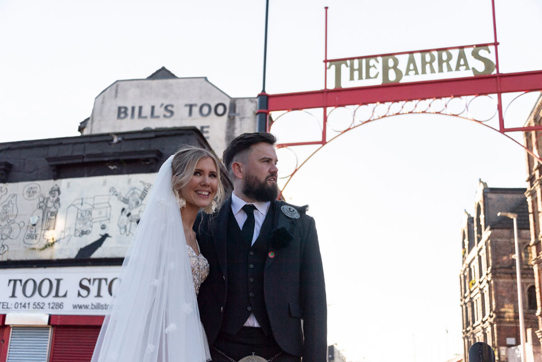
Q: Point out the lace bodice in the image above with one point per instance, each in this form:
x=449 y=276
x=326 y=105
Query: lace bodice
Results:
x=200 y=267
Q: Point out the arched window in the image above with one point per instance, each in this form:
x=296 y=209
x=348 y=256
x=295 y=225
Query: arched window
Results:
x=526 y=256
x=531 y=297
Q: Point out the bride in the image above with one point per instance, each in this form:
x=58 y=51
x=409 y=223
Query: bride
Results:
x=154 y=315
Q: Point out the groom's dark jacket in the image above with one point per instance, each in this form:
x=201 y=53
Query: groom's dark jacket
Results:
x=293 y=278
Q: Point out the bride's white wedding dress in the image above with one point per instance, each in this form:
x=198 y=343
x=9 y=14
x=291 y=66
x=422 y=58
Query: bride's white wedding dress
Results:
x=154 y=315
x=200 y=267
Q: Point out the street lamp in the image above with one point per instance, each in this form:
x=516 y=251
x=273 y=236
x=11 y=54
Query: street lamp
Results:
x=514 y=218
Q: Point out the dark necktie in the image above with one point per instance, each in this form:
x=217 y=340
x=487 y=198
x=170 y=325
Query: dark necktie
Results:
x=248 y=226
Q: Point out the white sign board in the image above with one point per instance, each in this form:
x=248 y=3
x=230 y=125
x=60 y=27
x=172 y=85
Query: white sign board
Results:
x=73 y=291
x=130 y=105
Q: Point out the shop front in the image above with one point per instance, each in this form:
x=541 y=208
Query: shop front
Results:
x=54 y=314
x=68 y=210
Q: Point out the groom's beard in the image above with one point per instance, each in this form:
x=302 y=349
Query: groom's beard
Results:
x=260 y=191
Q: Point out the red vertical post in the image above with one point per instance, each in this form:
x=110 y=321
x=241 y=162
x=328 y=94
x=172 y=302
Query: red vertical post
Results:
x=495 y=37
x=5 y=332
x=499 y=96
x=324 y=125
x=325 y=53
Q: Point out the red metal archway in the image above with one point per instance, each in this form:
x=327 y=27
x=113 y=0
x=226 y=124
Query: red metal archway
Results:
x=441 y=96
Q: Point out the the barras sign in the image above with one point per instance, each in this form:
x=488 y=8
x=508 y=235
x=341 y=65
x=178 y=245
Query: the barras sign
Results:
x=474 y=60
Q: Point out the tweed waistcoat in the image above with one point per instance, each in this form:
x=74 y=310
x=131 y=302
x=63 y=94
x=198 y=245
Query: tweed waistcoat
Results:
x=246 y=277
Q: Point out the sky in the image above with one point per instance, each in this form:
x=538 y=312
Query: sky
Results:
x=388 y=197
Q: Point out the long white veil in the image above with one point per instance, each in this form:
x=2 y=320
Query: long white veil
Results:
x=154 y=315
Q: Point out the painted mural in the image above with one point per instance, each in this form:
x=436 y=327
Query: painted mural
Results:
x=92 y=217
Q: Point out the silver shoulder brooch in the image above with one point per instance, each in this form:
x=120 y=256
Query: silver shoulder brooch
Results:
x=290 y=211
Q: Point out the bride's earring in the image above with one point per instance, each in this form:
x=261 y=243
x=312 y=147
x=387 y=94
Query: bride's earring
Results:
x=209 y=209
x=180 y=201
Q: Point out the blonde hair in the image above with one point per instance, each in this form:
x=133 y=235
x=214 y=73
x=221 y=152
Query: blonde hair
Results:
x=183 y=166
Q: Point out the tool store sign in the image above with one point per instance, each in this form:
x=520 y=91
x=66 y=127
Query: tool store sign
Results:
x=73 y=291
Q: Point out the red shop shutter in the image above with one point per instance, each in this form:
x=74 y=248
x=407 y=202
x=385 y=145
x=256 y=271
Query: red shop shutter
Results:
x=73 y=344
x=4 y=340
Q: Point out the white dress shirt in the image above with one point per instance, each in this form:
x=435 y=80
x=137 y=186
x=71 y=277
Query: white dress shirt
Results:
x=240 y=215
x=259 y=216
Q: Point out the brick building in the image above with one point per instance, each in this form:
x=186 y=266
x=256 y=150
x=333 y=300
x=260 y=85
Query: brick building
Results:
x=488 y=274
x=534 y=199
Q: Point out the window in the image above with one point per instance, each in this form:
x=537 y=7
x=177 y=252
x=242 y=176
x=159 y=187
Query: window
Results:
x=18 y=344
x=531 y=298
x=526 y=256
x=480 y=269
x=479 y=228
x=487 y=303
x=529 y=141
x=483 y=262
x=534 y=204
x=476 y=314
x=473 y=274
x=464 y=243
x=479 y=309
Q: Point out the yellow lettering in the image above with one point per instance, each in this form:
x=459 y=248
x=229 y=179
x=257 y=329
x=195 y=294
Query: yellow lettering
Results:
x=461 y=61
x=411 y=65
x=358 y=69
x=489 y=66
x=338 y=71
x=428 y=62
x=386 y=67
x=442 y=60
x=369 y=66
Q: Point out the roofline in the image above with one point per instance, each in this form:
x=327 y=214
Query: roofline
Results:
x=77 y=139
x=494 y=189
x=168 y=79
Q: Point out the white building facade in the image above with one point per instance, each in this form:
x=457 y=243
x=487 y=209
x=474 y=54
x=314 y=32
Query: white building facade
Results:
x=163 y=100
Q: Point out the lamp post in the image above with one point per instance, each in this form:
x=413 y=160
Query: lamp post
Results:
x=262 y=113
x=514 y=218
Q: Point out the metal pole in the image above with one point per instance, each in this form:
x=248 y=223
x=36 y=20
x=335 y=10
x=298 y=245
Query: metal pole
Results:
x=514 y=218
x=262 y=113
x=325 y=53
x=520 y=292
x=324 y=120
x=499 y=96
x=495 y=37
x=265 y=44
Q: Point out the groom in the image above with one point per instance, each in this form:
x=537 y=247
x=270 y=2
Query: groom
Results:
x=265 y=293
